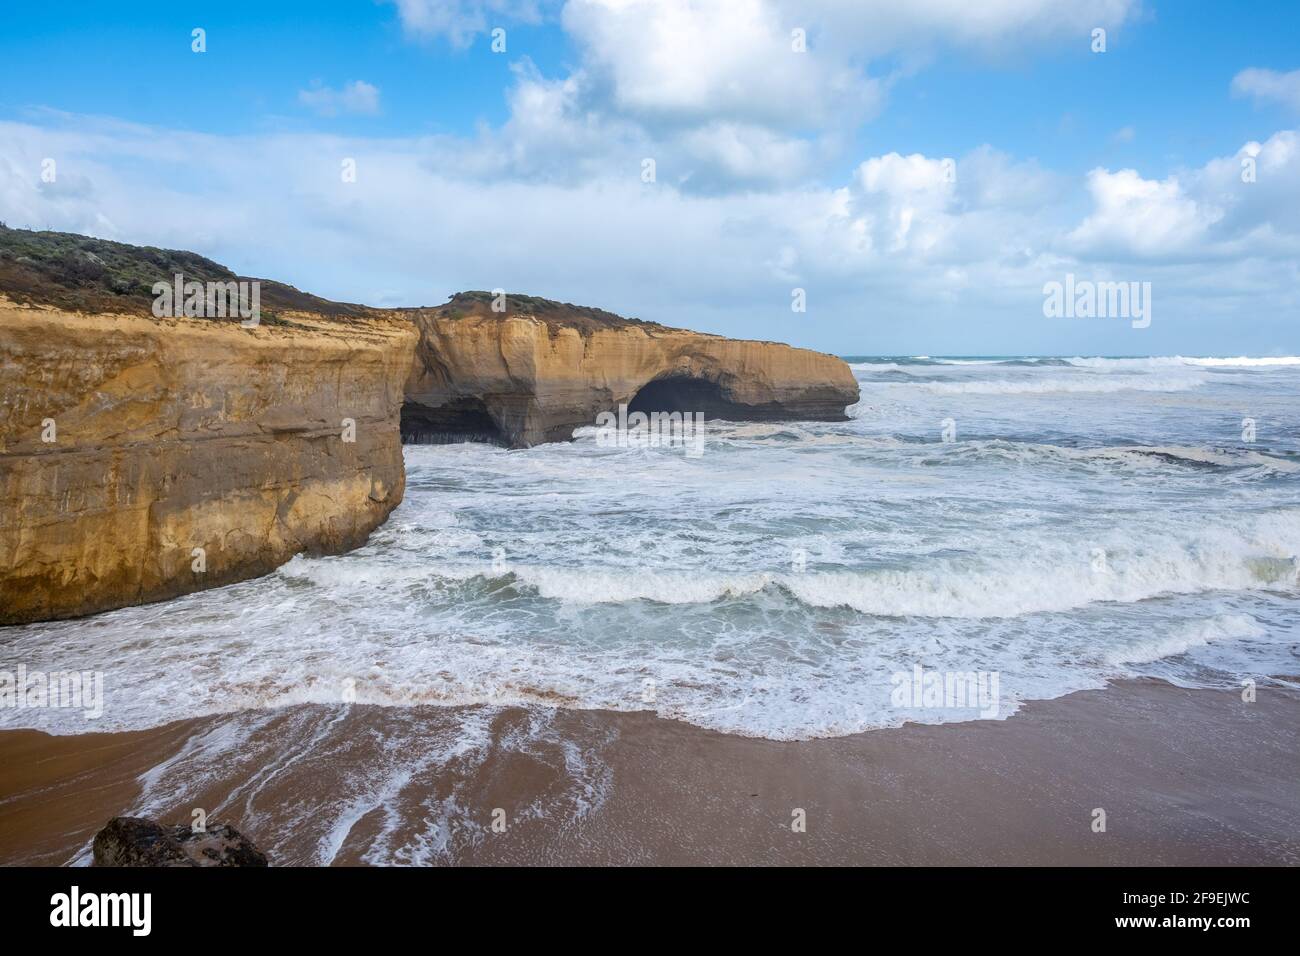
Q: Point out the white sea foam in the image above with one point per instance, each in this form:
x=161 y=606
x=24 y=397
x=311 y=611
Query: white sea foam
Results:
x=1141 y=457
x=1048 y=385
x=1196 y=634
x=769 y=588
x=1043 y=575
x=1180 y=360
x=918 y=363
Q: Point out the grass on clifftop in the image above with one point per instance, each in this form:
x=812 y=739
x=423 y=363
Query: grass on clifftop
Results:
x=582 y=317
x=81 y=274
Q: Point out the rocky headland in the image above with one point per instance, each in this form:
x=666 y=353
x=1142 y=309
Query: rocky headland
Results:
x=145 y=457
x=540 y=369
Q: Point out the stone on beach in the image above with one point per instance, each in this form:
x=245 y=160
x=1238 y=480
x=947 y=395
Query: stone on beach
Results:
x=136 y=841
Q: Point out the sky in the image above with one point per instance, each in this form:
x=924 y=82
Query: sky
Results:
x=916 y=174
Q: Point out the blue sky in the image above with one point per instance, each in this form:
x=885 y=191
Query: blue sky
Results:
x=775 y=170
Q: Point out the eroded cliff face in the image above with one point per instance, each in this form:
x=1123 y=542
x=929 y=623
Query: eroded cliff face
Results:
x=126 y=443
x=143 y=458
x=529 y=378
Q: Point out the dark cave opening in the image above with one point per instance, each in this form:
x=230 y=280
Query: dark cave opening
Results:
x=461 y=420
x=680 y=393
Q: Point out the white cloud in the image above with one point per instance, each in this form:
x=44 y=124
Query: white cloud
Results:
x=745 y=154
x=897 y=256
x=459 y=21
x=673 y=61
x=905 y=200
x=1136 y=216
x=715 y=90
x=676 y=61
x=1262 y=84
x=355 y=97
x=1215 y=211
x=555 y=133
x=872 y=27
x=1258 y=191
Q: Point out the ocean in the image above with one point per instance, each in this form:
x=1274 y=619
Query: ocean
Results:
x=1045 y=524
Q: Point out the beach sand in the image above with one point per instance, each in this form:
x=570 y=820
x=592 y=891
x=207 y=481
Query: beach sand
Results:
x=1184 y=777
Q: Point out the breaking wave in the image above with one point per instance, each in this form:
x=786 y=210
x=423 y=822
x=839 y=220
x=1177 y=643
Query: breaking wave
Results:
x=1070 y=534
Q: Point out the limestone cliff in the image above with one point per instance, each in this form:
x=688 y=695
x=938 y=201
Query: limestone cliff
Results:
x=128 y=442
x=142 y=458
x=540 y=369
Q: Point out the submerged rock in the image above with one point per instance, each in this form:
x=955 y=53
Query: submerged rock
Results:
x=135 y=841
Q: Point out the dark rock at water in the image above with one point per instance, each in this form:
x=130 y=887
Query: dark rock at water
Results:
x=135 y=841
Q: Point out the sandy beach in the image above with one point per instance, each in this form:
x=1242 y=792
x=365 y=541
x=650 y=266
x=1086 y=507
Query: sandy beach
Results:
x=1190 y=777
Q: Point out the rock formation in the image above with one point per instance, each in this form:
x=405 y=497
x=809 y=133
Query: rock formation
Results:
x=539 y=369
x=135 y=841
x=142 y=458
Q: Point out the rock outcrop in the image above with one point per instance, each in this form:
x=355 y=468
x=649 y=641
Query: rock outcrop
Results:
x=135 y=841
x=541 y=369
x=142 y=458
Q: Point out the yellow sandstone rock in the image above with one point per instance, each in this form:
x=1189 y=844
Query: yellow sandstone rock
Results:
x=176 y=435
x=145 y=458
x=542 y=369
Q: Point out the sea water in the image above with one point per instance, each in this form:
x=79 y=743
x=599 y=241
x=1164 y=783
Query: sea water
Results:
x=1051 y=522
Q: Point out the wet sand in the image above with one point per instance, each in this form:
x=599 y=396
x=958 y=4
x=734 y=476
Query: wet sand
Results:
x=1184 y=777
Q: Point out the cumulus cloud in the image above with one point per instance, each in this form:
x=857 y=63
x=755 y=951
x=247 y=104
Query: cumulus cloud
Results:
x=906 y=200
x=554 y=133
x=459 y=21
x=790 y=67
x=1262 y=84
x=1142 y=217
x=743 y=154
x=728 y=93
x=872 y=27
x=356 y=97
x=675 y=61
x=1244 y=205
x=906 y=246
x=932 y=212
x=751 y=195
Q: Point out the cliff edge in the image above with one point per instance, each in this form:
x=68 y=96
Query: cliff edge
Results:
x=537 y=370
x=145 y=457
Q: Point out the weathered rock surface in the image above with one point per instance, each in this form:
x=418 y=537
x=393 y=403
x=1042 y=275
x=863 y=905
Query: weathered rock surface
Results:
x=135 y=841
x=145 y=458
x=176 y=435
x=542 y=369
